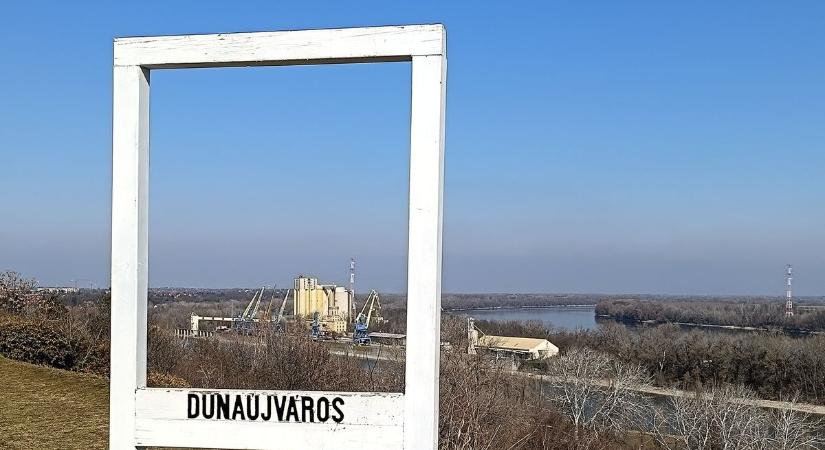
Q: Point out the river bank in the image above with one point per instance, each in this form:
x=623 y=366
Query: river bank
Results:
x=509 y=307
x=736 y=328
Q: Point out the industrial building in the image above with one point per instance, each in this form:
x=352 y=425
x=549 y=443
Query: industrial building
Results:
x=525 y=348
x=332 y=303
x=328 y=310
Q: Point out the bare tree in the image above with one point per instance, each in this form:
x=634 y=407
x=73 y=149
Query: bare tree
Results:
x=13 y=291
x=45 y=306
x=724 y=418
x=86 y=328
x=596 y=391
x=164 y=350
x=730 y=418
x=483 y=406
x=685 y=424
x=793 y=430
x=737 y=422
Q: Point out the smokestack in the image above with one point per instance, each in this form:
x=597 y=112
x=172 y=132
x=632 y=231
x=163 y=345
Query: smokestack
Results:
x=788 y=291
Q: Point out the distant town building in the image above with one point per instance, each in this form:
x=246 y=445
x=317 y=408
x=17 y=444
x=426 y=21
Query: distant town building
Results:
x=58 y=290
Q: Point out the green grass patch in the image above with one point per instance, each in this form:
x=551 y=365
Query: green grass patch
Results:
x=46 y=408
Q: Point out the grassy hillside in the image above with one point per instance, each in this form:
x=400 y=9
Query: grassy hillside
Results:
x=45 y=408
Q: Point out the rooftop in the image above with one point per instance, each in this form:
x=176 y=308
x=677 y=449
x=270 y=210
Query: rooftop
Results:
x=511 y=343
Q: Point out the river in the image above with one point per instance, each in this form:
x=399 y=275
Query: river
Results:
x=560 y=317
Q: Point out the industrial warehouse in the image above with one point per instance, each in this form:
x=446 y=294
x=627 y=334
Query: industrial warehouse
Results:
x=513 y=348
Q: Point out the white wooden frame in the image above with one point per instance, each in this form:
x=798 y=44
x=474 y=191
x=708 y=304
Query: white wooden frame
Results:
x=142 y=416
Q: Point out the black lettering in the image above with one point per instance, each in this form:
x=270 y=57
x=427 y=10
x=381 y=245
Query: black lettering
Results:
x=323 y=409
x=335 y=402
x=249 y=407
x=210 y=411
x=292 y=410
x=307 y=406
x=279 y=407
x=238 y=409
x=223 y=406
x=286 y=409
x=194 y=406
x=268 y=414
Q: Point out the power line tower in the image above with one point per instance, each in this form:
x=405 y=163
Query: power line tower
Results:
x=788 y=291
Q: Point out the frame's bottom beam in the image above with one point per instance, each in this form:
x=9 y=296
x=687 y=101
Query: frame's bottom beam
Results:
x=283 y=420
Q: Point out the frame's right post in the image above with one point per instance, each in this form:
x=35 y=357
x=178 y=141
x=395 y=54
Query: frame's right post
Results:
x=429 y=85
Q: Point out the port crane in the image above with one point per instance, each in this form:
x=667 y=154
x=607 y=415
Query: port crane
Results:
x=279 y=320
x=267 y=316
x=372 y=305
x=244 y=321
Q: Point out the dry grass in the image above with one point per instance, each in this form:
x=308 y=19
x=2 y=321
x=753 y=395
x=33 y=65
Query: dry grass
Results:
x=45 y=408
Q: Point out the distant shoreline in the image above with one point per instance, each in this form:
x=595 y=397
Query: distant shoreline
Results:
x=784 y=330
x=497 y=308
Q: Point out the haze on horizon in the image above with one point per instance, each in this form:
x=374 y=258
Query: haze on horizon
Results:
x=600 y=148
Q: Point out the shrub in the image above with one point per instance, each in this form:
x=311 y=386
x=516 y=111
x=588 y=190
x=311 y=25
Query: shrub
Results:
x=14 y=289
x=155 y=379
x=37 y=343
x=46 y=343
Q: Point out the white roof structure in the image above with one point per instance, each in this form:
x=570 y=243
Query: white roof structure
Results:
x=531 y=348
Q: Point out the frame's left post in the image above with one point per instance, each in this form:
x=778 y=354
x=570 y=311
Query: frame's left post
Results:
x=130 y=248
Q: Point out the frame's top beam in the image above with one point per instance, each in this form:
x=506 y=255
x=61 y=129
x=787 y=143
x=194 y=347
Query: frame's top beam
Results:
x=344 y=45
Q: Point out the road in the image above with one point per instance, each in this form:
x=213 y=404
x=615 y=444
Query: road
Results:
x=670 y=392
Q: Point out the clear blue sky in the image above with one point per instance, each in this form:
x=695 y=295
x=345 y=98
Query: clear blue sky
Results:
x=651 y=147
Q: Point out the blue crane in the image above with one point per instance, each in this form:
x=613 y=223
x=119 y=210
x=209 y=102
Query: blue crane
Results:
x=361 y=333
x=315 y=327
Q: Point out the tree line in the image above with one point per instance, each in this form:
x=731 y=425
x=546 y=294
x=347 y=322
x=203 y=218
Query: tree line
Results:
x=715 y=312
x=772 y=365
